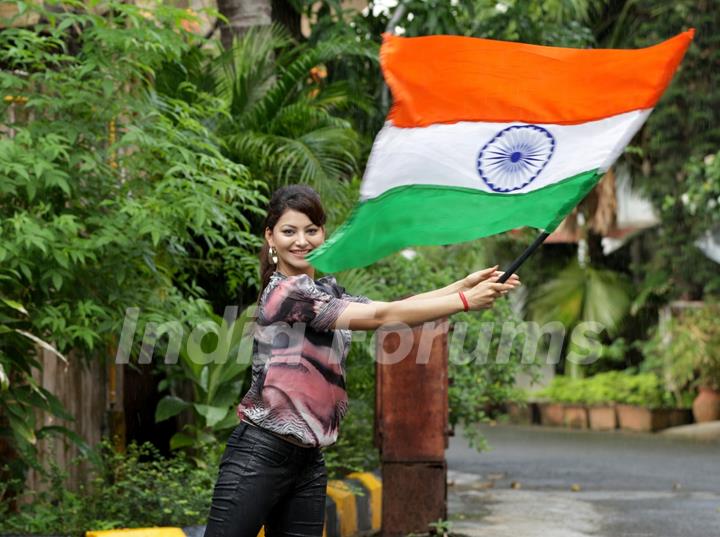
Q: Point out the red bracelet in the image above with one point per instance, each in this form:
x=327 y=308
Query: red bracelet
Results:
x=466 y=306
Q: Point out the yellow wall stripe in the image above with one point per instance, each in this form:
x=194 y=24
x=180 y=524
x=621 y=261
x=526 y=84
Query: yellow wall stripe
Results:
x=138 y=532
x=344 y=500
x=374 y=485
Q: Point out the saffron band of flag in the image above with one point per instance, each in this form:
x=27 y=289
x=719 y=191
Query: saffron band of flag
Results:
x=486 y=136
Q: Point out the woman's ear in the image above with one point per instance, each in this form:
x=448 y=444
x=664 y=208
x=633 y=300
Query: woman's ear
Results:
x=268 y=234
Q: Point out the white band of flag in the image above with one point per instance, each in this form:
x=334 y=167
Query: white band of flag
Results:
x=447 y=155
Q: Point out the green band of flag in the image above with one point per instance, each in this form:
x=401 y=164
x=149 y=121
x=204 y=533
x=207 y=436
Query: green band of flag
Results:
x=399 y=218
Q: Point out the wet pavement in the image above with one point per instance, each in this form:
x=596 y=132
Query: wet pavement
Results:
x=539 y=481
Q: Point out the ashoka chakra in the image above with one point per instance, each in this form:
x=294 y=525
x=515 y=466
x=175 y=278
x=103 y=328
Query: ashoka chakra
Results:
x=515 y=157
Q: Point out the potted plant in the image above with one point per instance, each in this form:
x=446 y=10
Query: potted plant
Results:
x=601 y=394
x=645 y=404
x=563 y=403
x=692 y=353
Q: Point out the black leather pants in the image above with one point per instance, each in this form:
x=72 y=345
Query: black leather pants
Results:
x=265 y=480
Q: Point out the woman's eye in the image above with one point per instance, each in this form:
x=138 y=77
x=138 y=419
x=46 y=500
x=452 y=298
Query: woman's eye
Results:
x=312 y=231
x=287 y=231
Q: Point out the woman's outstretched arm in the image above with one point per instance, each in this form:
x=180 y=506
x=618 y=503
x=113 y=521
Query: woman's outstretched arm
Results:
x=371 y=316
x=464 y=284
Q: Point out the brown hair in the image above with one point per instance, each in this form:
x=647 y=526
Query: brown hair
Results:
x=300 y=198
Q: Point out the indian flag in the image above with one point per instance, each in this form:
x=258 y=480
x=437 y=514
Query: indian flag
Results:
x=486 y=136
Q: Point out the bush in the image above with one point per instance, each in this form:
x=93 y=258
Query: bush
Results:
x=686 y=350
x=622 y=387
x=138 y=488
x=564 y=390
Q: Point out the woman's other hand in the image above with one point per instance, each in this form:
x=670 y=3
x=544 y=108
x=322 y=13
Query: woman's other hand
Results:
x=484 y=294
x=471 y=280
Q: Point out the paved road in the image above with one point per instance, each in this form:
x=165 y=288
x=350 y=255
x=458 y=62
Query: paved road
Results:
x=627 y=485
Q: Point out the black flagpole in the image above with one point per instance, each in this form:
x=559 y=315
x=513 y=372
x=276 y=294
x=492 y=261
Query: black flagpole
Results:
x=520 y=260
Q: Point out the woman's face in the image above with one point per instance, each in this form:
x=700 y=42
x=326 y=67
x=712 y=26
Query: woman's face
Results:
x=294 y=236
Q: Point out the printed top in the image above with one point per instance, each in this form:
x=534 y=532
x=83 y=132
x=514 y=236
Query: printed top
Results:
x=298 y=365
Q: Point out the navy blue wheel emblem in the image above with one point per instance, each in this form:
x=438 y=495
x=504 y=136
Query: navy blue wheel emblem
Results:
x=515 y=157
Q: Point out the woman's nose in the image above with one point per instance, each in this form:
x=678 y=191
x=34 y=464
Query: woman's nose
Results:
x=301 y=240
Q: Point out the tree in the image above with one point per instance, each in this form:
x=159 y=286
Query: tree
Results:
x=279 y=117
x=682 y=131
x=92 y=225
x=241 y=16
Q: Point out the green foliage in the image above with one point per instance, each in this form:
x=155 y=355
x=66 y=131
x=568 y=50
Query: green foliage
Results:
x=21 y=395
x=90 y=225
x=582 y=295
x=214 y=360
x=703 y=195
x=621 y=387
x=563 y=389
x=686 y=349
x=440 y=527
x=555 y=22
x=138 y=488
x=680 y=134
x=278 y=116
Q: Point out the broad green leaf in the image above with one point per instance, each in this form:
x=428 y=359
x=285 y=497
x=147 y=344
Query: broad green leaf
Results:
x=231 y=420
x=169 y=406
x=225 y=397
x=180 y=440
x=212 y=414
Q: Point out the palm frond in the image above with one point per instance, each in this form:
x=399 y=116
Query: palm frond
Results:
x=299 y=118
x=246 y=72
x=582 y=295
x=342 y=95
x=290 y=76
x=318 y=158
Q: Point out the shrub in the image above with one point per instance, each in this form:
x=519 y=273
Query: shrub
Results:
x=138 y=488
x=624 y=387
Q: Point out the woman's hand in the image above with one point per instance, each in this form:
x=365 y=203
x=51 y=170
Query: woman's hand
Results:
x=484 y=294
x=471 y=280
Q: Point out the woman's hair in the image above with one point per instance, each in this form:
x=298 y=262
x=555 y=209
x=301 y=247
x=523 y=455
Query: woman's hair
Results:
x=300 y=198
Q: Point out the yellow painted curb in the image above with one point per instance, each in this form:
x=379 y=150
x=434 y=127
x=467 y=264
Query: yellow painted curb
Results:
x=138 y=532
x=374 y=485
x=345 y=506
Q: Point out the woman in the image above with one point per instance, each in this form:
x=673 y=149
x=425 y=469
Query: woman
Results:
x=272 y=472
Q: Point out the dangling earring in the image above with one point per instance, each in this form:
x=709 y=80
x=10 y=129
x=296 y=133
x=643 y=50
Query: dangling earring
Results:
x=273 y=255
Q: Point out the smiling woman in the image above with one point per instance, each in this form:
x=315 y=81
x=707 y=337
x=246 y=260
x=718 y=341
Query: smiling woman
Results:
x=297 y=235
x=272 y=472
x=294 y=226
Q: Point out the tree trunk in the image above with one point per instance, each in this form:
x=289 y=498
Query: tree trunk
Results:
x=242 y=15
